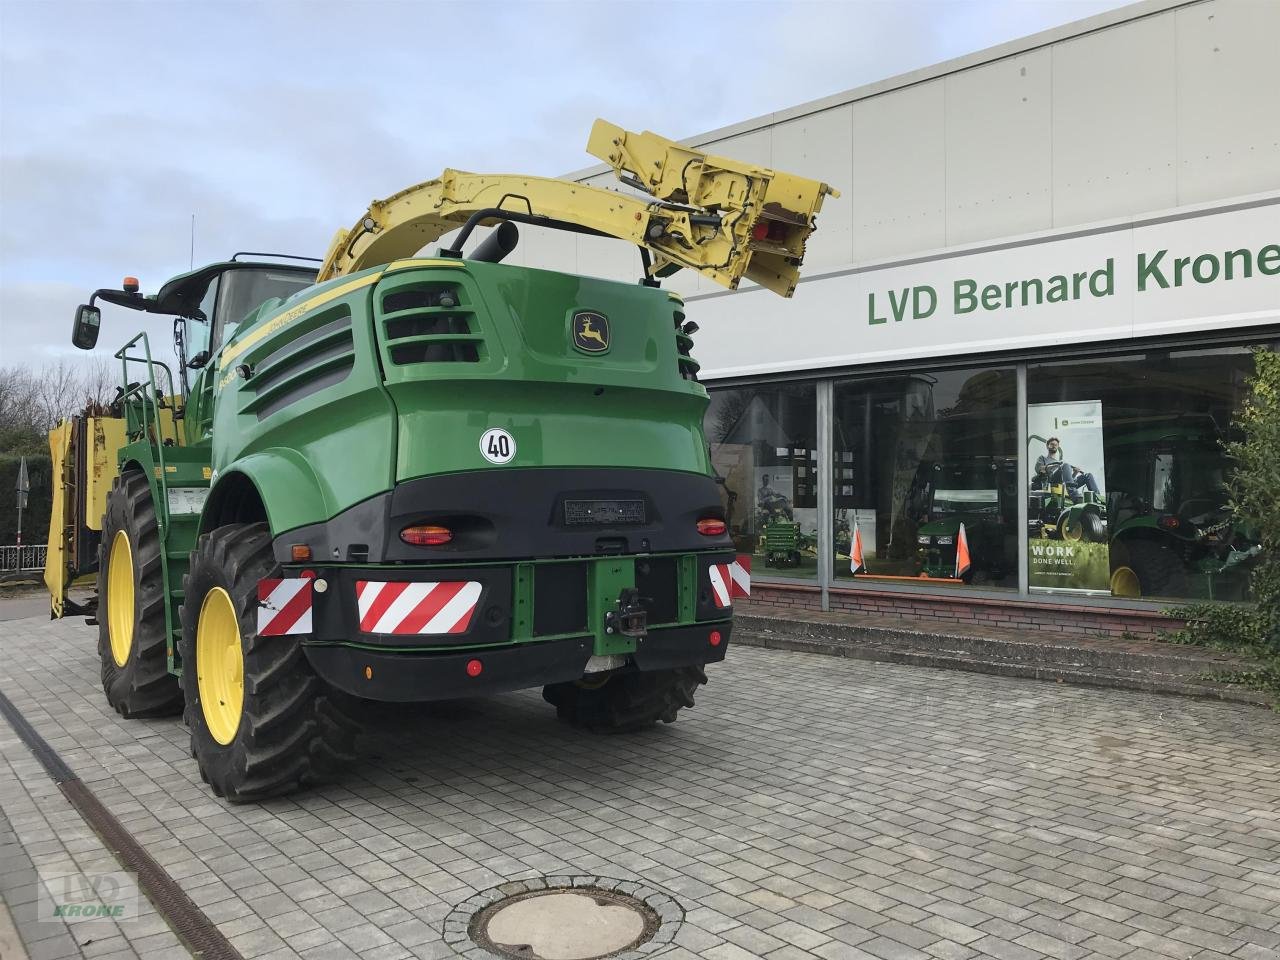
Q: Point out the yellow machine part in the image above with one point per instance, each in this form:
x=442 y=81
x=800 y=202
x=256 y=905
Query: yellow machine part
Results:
x=84 y=472
x=725 y=219
x=56 y=571
x=108 y=438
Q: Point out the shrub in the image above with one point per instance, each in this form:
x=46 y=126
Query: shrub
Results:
x=1254 y=488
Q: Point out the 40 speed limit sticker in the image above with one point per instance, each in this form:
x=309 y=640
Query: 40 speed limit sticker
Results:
x=497 y=445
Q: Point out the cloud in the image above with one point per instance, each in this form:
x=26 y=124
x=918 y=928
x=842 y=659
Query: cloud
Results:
x=277 y=123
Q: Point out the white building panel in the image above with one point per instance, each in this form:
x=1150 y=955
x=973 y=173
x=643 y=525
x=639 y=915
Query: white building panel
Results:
x=1115 y=122
x=898 y=183
x=820 y=146
x=1228 y=116
x=1000 y=149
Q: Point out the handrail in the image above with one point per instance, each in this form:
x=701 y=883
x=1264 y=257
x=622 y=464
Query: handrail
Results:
x=150 y=412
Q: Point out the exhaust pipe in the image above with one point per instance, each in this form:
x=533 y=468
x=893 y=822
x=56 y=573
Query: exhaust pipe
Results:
x=501 y=240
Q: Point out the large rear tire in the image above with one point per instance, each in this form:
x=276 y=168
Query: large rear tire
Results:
x=1149 y=570
x=132 y=641
x=626 y=702
x=262 y=723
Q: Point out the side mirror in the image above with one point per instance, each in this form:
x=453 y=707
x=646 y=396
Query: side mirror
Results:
x=85 y=332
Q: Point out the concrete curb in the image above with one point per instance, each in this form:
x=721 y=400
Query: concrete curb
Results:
x=1148 y=666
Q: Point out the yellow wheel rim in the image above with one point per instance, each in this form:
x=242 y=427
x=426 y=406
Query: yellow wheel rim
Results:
x=220 y=665
x=120 y=599
x=1124 y=583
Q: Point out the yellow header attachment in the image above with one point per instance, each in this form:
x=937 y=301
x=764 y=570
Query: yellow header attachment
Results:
x=722 y=218
x=764 y=216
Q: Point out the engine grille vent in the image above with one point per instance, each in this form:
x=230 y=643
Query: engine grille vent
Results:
x=322 y=357
x=431 y=323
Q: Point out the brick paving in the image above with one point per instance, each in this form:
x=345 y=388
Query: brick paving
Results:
x=808 y=807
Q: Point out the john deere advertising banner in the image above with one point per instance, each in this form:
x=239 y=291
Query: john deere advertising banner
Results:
x=1067 y=512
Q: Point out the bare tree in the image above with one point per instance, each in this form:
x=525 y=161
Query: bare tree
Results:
x=98 y=383
x=33 y=401
x=58 y=391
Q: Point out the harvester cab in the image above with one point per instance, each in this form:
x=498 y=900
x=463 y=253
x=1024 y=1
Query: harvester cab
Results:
x=152 y=404
x=409 y=478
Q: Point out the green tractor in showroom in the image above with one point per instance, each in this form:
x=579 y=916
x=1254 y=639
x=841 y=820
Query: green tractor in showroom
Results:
x=973 y=492
x=402 y=478
x=1173 y=533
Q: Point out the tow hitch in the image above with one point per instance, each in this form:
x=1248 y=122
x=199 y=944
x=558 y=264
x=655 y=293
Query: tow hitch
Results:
x=630 y=619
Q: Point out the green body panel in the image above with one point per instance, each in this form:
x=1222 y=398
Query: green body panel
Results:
x=385 y=422
x=627 y=407
x=349 y=427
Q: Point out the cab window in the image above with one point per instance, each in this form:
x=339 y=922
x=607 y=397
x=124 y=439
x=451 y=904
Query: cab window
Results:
x=243 y=291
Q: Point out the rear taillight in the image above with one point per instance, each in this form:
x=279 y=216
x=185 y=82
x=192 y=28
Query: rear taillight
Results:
x=426 y=535
x=711 y=527
x=1169 y=523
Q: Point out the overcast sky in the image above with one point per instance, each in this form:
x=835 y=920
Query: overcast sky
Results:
x=275 y=123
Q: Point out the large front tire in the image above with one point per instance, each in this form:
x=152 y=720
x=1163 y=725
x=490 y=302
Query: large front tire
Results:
x=262 y=723
x=626 y=702
x=132 y=641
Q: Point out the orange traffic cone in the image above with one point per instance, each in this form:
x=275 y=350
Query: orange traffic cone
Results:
x=962 y=553
x=855 y=554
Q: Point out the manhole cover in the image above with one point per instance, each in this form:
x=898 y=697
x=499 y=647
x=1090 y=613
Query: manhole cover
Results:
x=564 y=918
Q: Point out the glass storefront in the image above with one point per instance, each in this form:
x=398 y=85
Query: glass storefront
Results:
x=1118 y=463
x=764 y=447
x=925 y=482
x=1135 y=489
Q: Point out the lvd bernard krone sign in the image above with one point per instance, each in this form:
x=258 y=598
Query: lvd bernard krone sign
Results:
x=1189 y=271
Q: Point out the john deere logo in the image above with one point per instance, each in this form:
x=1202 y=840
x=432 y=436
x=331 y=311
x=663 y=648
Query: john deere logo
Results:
x=590 y=331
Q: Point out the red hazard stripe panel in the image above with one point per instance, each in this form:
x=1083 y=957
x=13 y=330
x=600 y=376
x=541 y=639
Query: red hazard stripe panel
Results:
x=401 y=608
x=721 y=584
x=284 y=606
x=374 y=599
x=740 y=574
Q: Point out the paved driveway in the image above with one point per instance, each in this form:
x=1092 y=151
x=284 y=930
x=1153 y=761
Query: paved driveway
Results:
x=808 y=807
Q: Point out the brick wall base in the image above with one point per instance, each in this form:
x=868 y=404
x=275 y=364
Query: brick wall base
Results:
x=924 y=609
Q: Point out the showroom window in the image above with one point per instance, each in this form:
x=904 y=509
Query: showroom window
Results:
x=1127 y=472
x=924 y=478
x=763 y=445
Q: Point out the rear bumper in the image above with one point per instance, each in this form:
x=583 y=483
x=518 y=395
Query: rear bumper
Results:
x=519 y=514
x=421 y=676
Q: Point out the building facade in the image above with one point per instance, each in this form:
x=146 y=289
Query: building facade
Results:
x=1002 y=387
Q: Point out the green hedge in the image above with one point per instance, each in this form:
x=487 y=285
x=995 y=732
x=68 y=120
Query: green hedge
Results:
x=35 y=519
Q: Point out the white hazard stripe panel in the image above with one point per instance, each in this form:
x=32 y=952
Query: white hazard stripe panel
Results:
x=284 y=606
x=721 y=584
x=740 y=574
x=405 y=608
